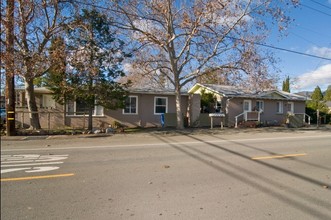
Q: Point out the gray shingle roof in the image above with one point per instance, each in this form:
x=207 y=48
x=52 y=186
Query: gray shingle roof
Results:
x=233 y=91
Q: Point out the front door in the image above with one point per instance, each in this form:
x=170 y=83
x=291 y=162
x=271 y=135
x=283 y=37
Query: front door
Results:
x=247 y=107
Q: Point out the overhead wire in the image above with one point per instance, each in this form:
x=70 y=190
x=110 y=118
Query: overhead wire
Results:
x=252 y=42
x=314 y=9
x=316 y=2
x=282 y=49
x=313 y=31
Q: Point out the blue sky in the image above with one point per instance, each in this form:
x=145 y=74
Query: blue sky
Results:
x=309 y=33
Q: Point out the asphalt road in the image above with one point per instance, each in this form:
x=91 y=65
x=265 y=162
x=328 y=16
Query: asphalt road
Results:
x=242 y=175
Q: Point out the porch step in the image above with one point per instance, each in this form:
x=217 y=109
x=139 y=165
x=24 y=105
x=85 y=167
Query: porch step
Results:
x=295 y=121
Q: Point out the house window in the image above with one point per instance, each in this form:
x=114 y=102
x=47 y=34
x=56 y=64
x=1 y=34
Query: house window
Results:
x=259 y=106
x=79 y=107
x=131 y=104
x=279 y=107
x=48 y=102
x=160 y=105
x=290 y=107
x=218 y=106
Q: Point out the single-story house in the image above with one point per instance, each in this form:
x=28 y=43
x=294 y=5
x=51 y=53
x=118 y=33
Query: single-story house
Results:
x=269 y=107
x=144 y=108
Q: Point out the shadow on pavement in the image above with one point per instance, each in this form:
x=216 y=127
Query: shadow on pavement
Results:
x=260 y=183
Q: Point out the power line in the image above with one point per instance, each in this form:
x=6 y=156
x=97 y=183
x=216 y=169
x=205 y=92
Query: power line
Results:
x=252 y=42
x=316 y=2
x=282 y=49
x=313 y=31
x=305 y=39
x=292 y=51
x=317 y=10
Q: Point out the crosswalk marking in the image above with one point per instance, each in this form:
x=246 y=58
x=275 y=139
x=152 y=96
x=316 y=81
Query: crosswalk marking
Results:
x=30 y=163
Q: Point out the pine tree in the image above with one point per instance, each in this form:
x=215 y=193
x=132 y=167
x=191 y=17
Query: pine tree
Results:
x=286 y=85
x=95 y=63
x=56 y=77
x=316 y=102
x=327 y=95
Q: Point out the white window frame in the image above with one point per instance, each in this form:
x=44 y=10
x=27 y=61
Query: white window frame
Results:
x=44 y=101
x=132 y=113
x=260 y=107
x=291 y=111
x=279 y=107
x=166 y=106
x=97 y=108
x=249 y=105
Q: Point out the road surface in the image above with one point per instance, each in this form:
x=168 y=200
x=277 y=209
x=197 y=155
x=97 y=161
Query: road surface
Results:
x=242 y=175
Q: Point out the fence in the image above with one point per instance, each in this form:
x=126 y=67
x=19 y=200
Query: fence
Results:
x=52 y=120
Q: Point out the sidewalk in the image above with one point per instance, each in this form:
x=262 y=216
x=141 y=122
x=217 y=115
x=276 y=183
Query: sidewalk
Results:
x=172 y=132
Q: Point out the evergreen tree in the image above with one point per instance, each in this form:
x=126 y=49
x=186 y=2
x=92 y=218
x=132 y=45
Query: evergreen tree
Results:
x=95 y=63
x=283 y=88
x=286 y=85
x=56 y=77
x=316 y=102
x=327 y=95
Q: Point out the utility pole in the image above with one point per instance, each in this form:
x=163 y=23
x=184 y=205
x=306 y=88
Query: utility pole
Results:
x=9 y=67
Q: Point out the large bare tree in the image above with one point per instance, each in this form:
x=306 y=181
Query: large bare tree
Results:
x=181 y=40
x=36 y=23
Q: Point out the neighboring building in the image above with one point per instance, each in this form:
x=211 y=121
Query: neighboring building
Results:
x=144 y=108
x=306 y=94
x=269 y=108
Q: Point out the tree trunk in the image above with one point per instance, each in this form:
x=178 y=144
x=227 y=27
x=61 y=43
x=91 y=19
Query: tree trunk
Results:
x=90 y=118
x=66 y=120
x=10 y=70
x=179 y=109
x=32 y=106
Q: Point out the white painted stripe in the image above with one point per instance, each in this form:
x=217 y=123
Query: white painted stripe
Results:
x=41 y=169
x=14 y=169
x=32 y=158
x=30 y=169
x=30 y=164
x=173 y=142
x=31 y=161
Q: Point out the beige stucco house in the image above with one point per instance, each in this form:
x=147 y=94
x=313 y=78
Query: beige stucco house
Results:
x=144 y=108
x=269 y=108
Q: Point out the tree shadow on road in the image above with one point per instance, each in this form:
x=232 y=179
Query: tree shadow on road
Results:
x=261 y=183
x=272 y=153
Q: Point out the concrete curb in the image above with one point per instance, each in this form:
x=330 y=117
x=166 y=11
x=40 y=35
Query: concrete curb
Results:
x=170 y=132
